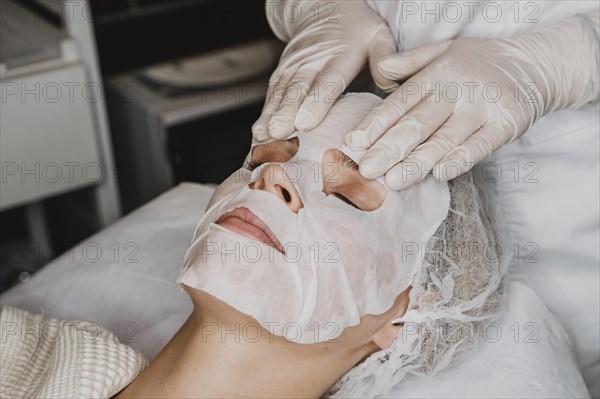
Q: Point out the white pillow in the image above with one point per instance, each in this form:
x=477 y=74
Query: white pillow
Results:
x=525 y=354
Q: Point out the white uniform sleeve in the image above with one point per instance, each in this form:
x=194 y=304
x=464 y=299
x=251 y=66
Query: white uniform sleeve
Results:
x=416 y=23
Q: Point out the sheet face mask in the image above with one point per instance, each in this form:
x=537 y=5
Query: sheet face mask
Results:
x=340 y=263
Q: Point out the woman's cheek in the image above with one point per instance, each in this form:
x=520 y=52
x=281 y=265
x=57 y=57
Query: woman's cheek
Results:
x=233 y=183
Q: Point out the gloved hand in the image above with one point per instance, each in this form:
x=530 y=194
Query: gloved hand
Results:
x=467 y=97
x=330 y=42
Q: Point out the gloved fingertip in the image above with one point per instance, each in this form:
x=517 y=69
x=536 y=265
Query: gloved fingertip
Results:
x=388 y=66
x=452 y=165
x=388 y=59
x=259 y=133
x=259 y=139
x=401 y=177
x=447 y=170
x=395 y=184
x=305 y=120
x=385 y=84
x=396 y=68
x=314 y=110
x=258 y=126
x=280 y=127
x=357 y=140
x=389 y=87
x=370 y=170
x=280 y=134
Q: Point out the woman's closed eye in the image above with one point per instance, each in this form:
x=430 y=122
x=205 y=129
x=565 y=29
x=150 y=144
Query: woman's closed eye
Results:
x=346 y=200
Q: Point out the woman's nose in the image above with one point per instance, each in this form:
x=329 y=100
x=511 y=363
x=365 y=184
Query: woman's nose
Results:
x=274 y=180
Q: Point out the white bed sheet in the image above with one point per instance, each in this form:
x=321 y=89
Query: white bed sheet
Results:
x=524 y=354
x=141 y=303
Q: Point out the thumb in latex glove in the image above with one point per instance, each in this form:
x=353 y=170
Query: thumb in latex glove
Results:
x=330 y=42
x=467 y=97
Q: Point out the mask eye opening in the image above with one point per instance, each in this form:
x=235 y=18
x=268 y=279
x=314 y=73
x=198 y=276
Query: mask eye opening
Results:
x=351 y=187
x=280 y=151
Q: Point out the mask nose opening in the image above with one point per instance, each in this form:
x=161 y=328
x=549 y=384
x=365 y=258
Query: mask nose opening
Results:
x=272 y=178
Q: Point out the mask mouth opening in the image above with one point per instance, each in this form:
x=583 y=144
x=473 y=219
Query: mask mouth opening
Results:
x=243 y=221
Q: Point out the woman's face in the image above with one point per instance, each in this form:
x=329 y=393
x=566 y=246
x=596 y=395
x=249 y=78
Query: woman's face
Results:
x=298 y=236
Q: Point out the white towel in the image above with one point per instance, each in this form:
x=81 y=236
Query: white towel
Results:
x=51 y=358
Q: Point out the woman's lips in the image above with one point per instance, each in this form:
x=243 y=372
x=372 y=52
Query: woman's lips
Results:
x=243 y=221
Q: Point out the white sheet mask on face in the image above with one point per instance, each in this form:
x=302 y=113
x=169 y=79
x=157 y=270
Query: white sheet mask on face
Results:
x=340 y=263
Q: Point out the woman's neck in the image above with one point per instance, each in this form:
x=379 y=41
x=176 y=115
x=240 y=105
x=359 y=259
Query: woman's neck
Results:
x=221 y=353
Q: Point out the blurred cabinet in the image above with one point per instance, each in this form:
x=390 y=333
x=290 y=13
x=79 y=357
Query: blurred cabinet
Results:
x=53 y=127
x=159 y=142
x=48 y=140
x=54 y=136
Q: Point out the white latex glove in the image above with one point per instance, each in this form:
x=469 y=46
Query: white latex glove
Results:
x=467 y=97
x=330 y=42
